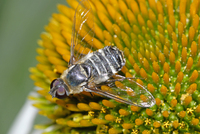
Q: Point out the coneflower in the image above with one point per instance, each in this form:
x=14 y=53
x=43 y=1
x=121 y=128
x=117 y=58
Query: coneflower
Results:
x=161 y=43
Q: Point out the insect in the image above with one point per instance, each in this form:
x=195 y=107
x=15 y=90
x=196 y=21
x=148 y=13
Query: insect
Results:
x=89 y=70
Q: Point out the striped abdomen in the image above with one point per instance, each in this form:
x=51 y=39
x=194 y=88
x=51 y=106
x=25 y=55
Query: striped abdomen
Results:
x=105 y=63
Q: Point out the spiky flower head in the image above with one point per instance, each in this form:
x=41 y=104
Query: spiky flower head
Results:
x=161 y=43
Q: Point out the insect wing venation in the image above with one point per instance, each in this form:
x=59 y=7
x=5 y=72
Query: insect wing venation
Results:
x=129 y=92
x=82 y=32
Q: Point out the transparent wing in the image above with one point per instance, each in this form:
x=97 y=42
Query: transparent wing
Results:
x=127 y=91
x=82 y=32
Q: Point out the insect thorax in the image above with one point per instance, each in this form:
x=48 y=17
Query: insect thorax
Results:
x=78 y=75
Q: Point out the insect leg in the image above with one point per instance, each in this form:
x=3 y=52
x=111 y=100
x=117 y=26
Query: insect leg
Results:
x=91 y=94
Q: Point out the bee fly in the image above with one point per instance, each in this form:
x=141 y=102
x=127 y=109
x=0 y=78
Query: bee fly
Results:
x=87 y=70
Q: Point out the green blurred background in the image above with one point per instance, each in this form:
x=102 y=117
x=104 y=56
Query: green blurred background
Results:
x=21 y=23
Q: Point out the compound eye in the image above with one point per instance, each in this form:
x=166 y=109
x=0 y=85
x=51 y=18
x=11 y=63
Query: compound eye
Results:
x=61 y=92
x=54 y=83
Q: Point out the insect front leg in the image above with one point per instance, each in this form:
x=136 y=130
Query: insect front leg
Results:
x=89 y=86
